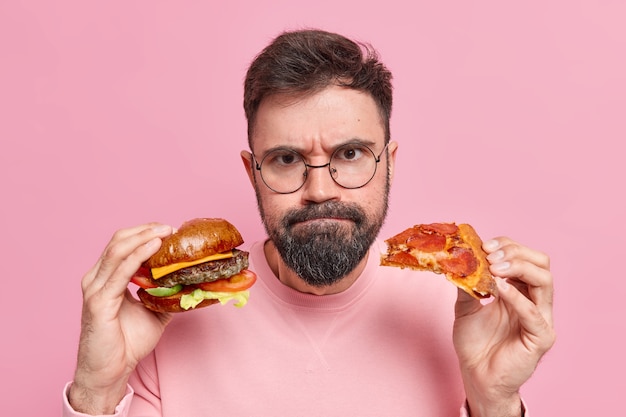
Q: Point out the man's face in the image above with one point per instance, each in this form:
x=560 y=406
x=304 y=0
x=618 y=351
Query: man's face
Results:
x=322 y=231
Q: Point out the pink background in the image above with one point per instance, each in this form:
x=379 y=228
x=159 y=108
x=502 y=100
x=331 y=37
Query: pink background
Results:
x=509 y=115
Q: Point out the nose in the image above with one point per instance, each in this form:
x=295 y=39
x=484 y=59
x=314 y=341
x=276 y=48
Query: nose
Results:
x=319 y=185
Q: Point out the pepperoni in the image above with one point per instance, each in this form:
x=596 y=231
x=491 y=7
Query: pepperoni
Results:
x=403 y=259
x=401 y=238
x=427 y=242
x=416 y=238
x=440 y=228
x=462 y=262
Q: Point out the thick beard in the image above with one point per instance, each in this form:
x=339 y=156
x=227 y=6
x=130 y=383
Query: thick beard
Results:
x=321 y=254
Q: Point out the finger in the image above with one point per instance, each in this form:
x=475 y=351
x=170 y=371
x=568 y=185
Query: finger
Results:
x=534 y=282
x=503 y=248
x=130 y=231
x=465 y=304
x=523 y=270
x=128 y=249
x=117 y=237
x=529 y=267
x=538 y=335
x=123 y=257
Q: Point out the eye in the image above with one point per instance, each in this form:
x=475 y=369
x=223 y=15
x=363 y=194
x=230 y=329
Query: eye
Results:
x=350 y=152
x=282 y=158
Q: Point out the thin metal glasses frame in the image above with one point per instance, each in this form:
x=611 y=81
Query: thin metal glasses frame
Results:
x=332 y=171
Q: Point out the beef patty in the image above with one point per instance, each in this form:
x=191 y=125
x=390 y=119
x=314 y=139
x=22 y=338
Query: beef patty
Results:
x=207 y=271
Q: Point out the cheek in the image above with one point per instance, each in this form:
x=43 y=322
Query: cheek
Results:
x=373 y=196
x=274 y=206
x=373 y=205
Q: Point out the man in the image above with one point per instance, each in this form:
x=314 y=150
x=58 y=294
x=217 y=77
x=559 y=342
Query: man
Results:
x=327 y=331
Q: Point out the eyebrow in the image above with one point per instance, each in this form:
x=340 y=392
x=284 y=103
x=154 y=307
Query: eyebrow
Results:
x=356 y=140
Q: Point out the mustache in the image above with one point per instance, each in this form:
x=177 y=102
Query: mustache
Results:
x=330 y=209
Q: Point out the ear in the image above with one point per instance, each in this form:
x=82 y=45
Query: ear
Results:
x=248 y=163
x=392 y=148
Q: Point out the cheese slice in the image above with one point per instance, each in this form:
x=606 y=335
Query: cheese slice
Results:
x=168 y=269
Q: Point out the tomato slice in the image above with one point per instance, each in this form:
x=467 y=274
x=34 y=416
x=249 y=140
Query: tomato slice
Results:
x=238 y=282
x=143 y=278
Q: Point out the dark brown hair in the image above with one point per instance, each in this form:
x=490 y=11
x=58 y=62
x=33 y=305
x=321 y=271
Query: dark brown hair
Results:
x=307 y=61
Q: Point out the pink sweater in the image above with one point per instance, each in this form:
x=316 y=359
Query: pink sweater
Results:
x=381 y=348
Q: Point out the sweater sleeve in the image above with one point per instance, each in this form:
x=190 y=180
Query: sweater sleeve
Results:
x=120 y=411
x=465 y=410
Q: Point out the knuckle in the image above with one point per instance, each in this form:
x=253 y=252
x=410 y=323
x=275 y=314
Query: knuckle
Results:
x=548 y=338
x=111 y=253
x=553 y=338
x=117 y=236
x=84 y=286
x=511 y=250
x=90 y=289
x=547 y=280
x=545 y=332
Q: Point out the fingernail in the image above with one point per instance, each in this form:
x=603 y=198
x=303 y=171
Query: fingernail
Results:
x=161 y=228
x=495 y=256
x=491 y=245
x=502 y=266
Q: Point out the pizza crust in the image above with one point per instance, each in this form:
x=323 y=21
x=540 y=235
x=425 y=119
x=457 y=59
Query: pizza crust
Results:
x=482 y=283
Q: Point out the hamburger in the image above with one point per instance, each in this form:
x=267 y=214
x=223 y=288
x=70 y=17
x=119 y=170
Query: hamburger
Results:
x=196 y=266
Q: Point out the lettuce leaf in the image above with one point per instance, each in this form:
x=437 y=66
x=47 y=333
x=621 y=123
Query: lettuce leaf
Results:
x=194 y=298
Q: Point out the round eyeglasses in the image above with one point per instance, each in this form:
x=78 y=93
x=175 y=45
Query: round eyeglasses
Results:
x=351 y=165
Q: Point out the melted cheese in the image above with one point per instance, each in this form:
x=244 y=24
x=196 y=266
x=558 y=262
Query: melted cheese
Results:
x=168 y=269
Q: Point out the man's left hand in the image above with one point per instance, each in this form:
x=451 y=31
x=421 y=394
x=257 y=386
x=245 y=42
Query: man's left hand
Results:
x=500 y=343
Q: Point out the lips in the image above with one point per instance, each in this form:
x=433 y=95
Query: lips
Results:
x=331 y=211
x=322 y=222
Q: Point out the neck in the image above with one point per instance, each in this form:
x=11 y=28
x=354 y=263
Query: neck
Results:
x=289 y=278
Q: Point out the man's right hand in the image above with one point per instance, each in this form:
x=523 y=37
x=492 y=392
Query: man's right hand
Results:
x=117 y=331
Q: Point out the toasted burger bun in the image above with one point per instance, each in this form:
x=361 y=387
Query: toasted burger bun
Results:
x=195 y=239
x=169 y=304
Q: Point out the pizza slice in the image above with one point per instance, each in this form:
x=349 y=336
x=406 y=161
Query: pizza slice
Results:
x=444 y=248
